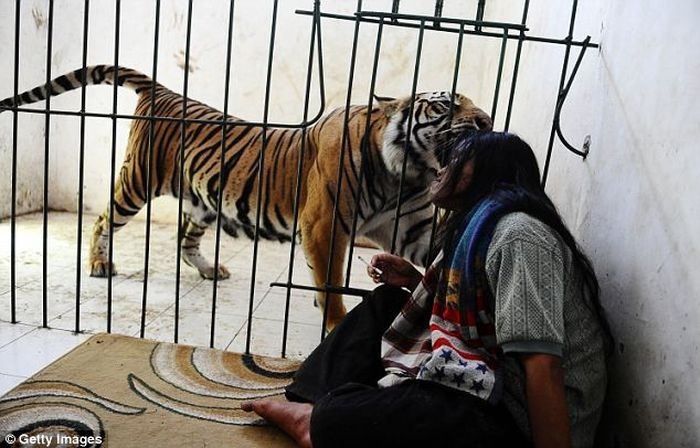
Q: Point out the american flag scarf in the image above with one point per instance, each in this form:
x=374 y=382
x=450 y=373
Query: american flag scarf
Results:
x=445 y=333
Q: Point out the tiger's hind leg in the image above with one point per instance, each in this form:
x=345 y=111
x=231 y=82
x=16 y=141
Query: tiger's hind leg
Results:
x=99 y=263
x=128 y=201
x=191 y=232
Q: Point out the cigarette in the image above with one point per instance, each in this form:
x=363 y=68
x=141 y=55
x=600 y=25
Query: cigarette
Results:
x=377 y=270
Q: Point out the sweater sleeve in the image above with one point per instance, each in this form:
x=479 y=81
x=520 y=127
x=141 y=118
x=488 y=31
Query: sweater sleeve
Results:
x=526 y=275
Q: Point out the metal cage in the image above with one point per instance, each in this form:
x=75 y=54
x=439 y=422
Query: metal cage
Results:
x=364 y=20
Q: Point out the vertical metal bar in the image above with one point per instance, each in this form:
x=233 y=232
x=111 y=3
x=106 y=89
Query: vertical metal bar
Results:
x=181 y=175
x=395 y=8
x=45 y=211
x=222 y=163
x=360 y=178
x=365 y=141
x=81 y=170
x=516 y=65
x=560 y=104
x=13 y=177
x=438 y=12
x=345 y=140
x=504 y=43
x=112 y=166
x=261 y=169
x=480 y=8
x=409 y=132
x=315 y=31
x=565 y=65
x=151 y=138
x=455 y=78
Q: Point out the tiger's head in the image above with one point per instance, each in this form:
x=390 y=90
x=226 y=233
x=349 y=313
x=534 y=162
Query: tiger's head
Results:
x=436 y=120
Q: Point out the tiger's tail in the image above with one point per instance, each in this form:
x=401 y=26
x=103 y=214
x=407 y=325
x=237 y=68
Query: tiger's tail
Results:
x=92 y=75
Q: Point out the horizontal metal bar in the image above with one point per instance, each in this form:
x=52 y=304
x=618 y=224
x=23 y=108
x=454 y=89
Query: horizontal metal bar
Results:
x=565 y=41
x=421 y=18
x=331 y=289
x=480 y=32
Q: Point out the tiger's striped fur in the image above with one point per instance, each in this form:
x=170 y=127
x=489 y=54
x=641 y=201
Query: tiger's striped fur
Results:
x=376 y=178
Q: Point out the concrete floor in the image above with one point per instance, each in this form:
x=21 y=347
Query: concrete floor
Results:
x=27 y=346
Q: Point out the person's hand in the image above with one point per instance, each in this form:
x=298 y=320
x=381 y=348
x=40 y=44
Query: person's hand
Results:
x=393 y=270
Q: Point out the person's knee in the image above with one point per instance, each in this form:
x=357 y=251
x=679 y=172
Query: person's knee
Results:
x=386 y=301
x=390 y=292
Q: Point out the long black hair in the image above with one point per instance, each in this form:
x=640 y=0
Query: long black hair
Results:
x=505 y=164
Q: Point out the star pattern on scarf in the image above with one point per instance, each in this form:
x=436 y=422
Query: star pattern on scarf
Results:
x=458 y=379
x=477 y=385
x=482 y=368
x=440 y=372
x=446 y=354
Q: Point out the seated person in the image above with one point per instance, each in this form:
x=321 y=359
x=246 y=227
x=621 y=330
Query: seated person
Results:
x=501 y=344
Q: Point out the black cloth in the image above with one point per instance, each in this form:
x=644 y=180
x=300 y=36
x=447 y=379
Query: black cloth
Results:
x=340 y=378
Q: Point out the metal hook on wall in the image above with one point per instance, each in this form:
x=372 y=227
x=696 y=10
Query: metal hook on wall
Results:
x=560 y=103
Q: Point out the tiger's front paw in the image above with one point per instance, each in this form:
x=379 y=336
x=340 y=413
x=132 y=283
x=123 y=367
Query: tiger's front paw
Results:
x=208 y=273
x=101 y=268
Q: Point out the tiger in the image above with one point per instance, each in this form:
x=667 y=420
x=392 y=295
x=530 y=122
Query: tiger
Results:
x=377 y=140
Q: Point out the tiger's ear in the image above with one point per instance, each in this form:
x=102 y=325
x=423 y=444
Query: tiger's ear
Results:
x=387 y=104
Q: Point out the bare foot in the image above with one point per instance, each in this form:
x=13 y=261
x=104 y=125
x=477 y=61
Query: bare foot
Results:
x=292 y=418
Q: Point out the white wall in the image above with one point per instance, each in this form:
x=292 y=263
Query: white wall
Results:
x=631 y=203
x=30 y=128
x=207 y=73
x=643 y=228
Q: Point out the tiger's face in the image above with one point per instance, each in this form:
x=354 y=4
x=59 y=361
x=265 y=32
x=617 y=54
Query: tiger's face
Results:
x=435 y=122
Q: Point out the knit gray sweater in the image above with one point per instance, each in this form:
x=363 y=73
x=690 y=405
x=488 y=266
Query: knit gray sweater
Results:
x=540 y=308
